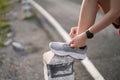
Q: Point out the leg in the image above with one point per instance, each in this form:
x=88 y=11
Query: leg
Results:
x=105 y=6
x=87 y=17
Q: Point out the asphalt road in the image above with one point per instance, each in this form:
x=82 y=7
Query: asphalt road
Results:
x=104 y=48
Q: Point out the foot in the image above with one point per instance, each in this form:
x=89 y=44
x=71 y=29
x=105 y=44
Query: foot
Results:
x=63 y=49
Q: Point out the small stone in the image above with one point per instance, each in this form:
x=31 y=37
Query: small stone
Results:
x=18 y=46
x=9 y=41
x=9 y=35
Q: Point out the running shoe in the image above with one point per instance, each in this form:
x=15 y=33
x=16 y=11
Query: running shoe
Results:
x=63 y=49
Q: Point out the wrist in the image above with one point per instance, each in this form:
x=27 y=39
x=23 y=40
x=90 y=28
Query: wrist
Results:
x=89 y=34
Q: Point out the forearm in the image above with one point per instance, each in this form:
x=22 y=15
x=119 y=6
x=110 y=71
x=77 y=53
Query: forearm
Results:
x=104 y=22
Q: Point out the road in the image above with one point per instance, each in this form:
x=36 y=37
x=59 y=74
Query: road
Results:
x=104 y=48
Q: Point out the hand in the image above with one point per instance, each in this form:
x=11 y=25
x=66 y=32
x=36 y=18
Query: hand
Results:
x=73 y=32
x=78 y=41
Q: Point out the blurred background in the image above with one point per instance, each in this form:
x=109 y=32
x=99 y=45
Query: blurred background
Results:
x=25 y=35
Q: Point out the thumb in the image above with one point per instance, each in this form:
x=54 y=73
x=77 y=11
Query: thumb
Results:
x=72 y=45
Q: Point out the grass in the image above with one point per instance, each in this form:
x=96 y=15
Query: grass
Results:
x=4 y=25
x=32 y=16
x=2 y=44
x=3 y=19
x=5 y=6
x=3 y=35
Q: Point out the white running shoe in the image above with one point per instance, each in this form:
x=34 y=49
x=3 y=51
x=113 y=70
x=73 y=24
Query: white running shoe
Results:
x=63 y=49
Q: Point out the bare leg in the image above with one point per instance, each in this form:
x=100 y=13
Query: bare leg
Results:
x=105 y=6
x=87 y=17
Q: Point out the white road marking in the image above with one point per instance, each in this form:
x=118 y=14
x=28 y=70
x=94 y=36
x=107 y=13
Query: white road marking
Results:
x=86 y=62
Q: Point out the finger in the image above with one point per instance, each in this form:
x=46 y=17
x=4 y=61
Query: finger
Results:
x=71 y=42
x=71 y=35
x=74 y=30
x=72 y=45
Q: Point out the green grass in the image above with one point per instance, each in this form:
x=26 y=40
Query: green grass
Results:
x=2 y=44
x=4 y=25
x=3 y=35
x=5 y=6
x=32 y=16
x=4 y=3
x=3 y=19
